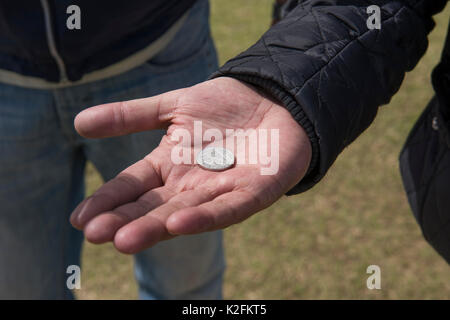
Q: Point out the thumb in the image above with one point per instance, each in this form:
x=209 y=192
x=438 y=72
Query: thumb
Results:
x=120 y=118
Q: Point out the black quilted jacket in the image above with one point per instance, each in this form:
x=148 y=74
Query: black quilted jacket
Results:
x=331 y=72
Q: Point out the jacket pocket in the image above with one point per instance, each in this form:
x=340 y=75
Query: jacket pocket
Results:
x=425 y=170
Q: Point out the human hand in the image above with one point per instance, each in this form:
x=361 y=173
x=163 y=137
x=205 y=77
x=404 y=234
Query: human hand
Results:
x=156 y=199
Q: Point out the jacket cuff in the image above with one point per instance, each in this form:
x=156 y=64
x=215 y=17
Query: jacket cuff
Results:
x=312 y=175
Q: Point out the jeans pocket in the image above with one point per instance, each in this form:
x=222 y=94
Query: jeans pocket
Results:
x=191 y=42
x=25 y=114
x=166 y=62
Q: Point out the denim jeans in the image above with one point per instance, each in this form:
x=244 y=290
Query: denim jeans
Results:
x=42 y=161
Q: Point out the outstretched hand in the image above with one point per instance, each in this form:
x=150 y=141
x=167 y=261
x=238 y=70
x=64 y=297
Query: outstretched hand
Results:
x=156 y=199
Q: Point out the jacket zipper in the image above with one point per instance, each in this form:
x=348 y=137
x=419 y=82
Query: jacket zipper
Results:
x=51 y=42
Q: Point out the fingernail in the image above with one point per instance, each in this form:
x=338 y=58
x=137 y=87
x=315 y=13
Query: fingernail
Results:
x=75 y=216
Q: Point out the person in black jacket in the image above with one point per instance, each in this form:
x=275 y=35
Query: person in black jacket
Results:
x=319 y=76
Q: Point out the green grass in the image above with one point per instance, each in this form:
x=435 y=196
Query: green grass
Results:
x=316 y=245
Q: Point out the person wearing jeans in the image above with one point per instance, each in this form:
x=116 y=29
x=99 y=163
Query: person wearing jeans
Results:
x=42 y=176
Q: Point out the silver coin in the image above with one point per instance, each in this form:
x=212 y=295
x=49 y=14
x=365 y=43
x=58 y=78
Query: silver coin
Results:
x=215 y=158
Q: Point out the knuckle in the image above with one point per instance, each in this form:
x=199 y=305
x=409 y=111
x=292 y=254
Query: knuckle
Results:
x=120 y=115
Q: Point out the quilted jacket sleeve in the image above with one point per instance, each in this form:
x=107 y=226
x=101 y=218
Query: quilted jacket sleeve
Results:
x=331 y=71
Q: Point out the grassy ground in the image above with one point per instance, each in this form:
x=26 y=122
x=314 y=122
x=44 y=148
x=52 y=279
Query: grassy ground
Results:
x=316 y=245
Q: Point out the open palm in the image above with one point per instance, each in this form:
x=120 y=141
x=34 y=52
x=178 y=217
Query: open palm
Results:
x=156 y=199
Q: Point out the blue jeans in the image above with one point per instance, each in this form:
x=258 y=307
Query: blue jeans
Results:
x=42 y=162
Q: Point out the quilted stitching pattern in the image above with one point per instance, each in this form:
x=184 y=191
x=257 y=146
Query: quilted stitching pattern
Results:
x=331 y=72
